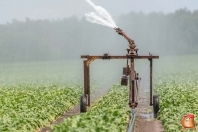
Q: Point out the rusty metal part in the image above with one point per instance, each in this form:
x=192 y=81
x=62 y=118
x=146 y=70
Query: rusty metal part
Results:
x=134 y=79
x=124 y=72
x=86 y=82
x=133 y=76
x=119 y=57
x=132 y=84
x=131 y=41
x=151 y=81
x=124 y=80
x=127 y=70
x=121 y=32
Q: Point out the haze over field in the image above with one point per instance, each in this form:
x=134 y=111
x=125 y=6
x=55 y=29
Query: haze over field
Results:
x=42 y=75
x=57 y=30
x=55 y=9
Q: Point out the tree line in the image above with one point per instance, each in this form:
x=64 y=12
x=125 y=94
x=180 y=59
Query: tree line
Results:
x=68 y=38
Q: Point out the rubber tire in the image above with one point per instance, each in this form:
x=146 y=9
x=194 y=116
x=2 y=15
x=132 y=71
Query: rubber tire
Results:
x=155 y=105
x=83 y=104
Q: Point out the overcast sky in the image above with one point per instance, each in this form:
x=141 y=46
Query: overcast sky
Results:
x=54 y=9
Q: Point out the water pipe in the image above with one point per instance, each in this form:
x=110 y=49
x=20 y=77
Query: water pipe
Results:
x=132 y=121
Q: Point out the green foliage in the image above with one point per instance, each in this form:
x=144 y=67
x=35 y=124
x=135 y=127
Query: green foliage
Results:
x=33 y=94
x=177 y=87
x=176 y=100
x=29 y=101
x=27 y=108
x=109 y=114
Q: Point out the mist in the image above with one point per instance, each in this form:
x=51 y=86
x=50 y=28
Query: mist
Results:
x=69 y=38
x=59 y=41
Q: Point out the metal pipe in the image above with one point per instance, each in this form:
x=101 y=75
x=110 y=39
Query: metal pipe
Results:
x=133 y=92
x=132 y=85
x=132 y=121
x=130 y=89
x=131 y=41
x=87 y=81
x=85 y=77
x=121 y=32
x=88 y=87
x=151 y=81
x=121 y=57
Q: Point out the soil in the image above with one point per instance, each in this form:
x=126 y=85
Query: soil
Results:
x=76 y=110
x=144 y=120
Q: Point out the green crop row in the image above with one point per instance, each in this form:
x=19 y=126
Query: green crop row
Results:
x=28 y=100
x=177 y=87
x=176 y=100
x=109 y=114
x=29 y=108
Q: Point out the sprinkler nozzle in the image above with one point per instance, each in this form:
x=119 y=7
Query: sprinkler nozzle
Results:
x=118 y=30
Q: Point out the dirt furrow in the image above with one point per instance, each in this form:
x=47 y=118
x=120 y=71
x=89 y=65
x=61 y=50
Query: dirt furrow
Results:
x=145 y=121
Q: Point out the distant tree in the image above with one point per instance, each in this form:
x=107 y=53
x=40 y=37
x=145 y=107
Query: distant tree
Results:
x=68 y=38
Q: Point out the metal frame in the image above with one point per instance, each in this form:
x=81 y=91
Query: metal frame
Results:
x=130 y=70
x=133 y=76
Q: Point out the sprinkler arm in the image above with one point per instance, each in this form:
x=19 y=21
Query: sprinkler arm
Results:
x=131 y=42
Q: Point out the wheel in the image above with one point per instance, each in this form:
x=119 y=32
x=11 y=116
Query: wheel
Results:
x=155 y=105
x=83 y=104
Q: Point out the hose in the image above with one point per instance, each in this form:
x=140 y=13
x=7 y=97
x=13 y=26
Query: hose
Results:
x=132 y=121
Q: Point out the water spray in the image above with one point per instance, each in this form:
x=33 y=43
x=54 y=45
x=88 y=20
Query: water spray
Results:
x=101 y=16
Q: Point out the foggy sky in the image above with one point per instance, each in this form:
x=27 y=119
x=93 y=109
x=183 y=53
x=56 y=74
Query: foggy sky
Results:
x=58 y=9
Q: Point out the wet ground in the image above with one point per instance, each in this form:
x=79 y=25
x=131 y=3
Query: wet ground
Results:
x=145 y=121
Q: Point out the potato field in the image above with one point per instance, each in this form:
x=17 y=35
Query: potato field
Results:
x=177 y=87
x=110 y=113
x=34 y=94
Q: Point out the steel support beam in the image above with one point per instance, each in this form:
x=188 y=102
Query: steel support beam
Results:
x=87 y=81
x=120 y=57
x=151 y=81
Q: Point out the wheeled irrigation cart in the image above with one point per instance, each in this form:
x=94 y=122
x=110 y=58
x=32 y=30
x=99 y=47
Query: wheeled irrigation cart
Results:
x=129 y=73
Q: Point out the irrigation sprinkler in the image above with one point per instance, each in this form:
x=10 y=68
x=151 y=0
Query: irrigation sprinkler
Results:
x=129 y=74
x=101 y=16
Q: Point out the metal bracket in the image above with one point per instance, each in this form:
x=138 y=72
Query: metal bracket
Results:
x=106 y=57
x=89 y=61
